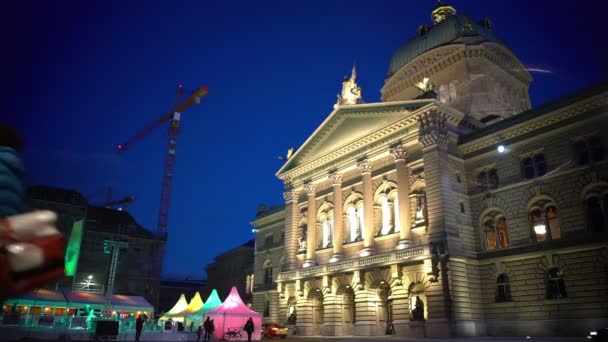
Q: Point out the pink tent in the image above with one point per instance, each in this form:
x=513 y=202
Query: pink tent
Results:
x=230 y=318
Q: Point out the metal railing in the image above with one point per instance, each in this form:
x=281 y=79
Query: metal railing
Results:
x=264 y=287
x=389 y=257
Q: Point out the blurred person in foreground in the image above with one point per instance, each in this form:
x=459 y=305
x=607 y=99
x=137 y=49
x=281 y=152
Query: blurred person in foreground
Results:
x=31 y=248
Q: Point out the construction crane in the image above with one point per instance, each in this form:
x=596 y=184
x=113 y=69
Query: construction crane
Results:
x=111 y=202
x=173 y=117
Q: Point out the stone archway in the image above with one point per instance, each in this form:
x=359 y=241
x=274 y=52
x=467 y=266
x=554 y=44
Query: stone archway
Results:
x=418 y=303
x=385 y=304
x=317 y=311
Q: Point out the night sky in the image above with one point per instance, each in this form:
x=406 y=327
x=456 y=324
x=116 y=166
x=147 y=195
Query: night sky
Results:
x=82 y=77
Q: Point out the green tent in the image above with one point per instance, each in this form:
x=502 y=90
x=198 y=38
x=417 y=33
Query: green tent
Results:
x=212 y=302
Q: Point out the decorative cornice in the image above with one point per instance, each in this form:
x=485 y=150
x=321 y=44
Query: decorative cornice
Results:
x=536 y=123
x=385 y=136
x=437 y=59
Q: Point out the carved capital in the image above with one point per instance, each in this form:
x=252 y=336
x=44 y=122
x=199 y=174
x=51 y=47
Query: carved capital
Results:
x=399 y=153
x=310 y=188
x=433 y=129
x=336 y=178
x=288 y=183
x=291 y=195
x=365 y=166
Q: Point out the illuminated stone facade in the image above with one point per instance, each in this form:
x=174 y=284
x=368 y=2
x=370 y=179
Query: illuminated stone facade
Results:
x=405 y=211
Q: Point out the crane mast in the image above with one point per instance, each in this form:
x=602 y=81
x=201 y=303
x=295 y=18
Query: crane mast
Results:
x=165 y=193
x=173 y=117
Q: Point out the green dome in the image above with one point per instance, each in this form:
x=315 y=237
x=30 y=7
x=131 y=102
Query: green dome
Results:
x=444 y=33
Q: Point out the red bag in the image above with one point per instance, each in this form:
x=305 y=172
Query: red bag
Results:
x=28 y=264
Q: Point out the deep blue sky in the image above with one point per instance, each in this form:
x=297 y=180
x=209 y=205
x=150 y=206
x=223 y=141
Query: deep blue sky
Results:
x=81 y=77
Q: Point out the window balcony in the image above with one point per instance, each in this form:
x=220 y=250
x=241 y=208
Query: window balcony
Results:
x=264 y=287
x=357 y=263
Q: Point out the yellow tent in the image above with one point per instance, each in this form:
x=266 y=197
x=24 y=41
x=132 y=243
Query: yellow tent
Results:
x=180 y=306
x=196 y=303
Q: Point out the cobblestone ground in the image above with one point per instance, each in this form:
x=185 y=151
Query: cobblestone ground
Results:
x=480 y=339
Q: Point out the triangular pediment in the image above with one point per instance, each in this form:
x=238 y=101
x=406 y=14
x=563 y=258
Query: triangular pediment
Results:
x=347 y=124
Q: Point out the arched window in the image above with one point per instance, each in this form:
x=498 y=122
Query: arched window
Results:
x=489 y=233
x=418 y=302
x=386 y=216
x=361 y=221
x=596 y=221
x=386 y=209
x=352 y=222
x=324 y=231
x=397 y=220
x=495 y=231
x=420 y=213
x=452 y=89
x=447 y=92
x=556 y=287
x=444 y=95
x=268 y=274
x=503 y=235
x=303 y=235
x=544 y=220
x=503 y=288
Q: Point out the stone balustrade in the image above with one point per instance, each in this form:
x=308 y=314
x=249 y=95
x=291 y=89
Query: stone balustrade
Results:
x=356 y=263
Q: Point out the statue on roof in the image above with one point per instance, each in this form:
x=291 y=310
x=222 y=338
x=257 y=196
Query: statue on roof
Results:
x=442 y=11
x=351 y=92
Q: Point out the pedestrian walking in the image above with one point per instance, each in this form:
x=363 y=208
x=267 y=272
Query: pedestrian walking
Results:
x=199 y=333
x=249 y=328
x=211 y=329
x=206 y=327
x=139 y=326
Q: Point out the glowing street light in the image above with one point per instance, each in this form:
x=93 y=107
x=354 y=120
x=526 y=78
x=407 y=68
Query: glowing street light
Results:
x=501 y=148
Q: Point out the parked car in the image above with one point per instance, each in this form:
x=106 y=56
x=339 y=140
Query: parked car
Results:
x=273 y=330
x=598 y=335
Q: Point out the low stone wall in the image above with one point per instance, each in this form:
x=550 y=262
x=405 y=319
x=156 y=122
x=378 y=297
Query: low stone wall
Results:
x=14 y=334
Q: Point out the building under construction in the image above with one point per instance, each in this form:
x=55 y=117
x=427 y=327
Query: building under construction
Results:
x=136 y=271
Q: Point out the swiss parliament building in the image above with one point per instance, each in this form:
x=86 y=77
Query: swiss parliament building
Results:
x=451 y=208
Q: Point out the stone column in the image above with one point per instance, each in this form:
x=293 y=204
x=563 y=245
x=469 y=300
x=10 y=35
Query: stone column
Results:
x=291 y=228
x=338 y=255
x=311 y=241
x=403 y=194
x=368 y=209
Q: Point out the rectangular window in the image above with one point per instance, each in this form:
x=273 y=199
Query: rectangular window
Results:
x=462 y=207
x=596 y=148
x=540 y=165
x=528 y=168
x=268 y=242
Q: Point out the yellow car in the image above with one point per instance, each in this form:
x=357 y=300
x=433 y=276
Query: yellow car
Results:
x=274 y=330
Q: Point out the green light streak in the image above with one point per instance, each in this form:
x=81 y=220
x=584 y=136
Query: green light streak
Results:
x=73 y=250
